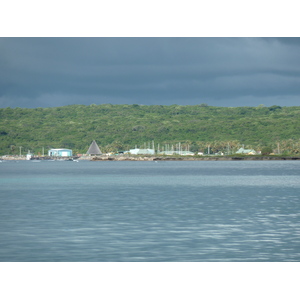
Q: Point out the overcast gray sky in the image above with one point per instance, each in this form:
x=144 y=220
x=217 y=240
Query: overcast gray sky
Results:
x=47 y=72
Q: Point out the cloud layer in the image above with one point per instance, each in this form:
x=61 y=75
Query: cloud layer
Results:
x=44 y=72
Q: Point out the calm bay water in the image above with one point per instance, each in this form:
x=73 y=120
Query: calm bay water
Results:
x=147 y=211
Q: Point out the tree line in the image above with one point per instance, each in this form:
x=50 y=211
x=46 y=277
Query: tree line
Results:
x=122 y=127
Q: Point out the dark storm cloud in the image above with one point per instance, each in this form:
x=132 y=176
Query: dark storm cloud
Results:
x=217 y=71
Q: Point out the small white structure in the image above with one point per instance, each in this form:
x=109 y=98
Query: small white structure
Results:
x=137 y=151
x=28 y=156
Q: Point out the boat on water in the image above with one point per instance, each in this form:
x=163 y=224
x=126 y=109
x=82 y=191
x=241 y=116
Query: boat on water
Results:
x=70 y=159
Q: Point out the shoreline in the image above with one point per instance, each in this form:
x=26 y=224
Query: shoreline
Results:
x=160 y=158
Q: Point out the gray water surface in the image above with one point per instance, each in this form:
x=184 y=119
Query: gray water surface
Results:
x=146 y=211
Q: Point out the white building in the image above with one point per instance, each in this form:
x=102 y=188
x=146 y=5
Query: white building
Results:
x=176 y=152
x=137 y=151
x=246 y=151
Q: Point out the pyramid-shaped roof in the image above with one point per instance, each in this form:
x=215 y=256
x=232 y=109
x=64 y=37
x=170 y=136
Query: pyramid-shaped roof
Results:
x=94 y=149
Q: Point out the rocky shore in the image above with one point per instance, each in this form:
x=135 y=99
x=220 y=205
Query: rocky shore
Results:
x=191 y=158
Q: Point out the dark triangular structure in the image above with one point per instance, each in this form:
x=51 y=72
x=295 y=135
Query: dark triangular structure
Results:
x=94 y=149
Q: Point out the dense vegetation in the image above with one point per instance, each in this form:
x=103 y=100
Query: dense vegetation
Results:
x=121 y=127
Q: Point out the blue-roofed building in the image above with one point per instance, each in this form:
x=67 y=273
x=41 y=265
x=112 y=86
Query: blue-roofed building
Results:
x=60 y=152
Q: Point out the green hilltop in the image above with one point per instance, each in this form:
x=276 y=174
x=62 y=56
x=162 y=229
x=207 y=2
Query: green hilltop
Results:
x=121 y=127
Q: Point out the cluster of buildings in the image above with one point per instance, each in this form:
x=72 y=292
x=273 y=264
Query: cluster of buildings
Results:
x=138 y=151
x=95 y=150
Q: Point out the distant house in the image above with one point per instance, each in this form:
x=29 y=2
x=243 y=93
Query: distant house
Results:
x=60 y=152
x=137 y=151
x=94 y=149
x=246 y=151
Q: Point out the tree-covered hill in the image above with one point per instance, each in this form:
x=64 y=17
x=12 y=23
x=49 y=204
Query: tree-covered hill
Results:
x=121 y=127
